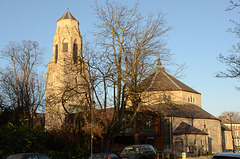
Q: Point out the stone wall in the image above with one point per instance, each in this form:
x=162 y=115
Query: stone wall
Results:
x=210 y=126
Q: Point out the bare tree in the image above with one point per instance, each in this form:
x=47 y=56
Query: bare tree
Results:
x=22 y=87
x=235 y=116
x=128 y=45
x=232 y=60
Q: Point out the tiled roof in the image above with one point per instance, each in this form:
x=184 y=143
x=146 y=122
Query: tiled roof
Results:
x=185 y=128
x=160 y=80
x=67 y=15
x=181 y=110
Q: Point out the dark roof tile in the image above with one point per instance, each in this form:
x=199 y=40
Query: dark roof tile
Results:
x=67 y=15
x=185 y=128
x=160 y=80
x=181 y=110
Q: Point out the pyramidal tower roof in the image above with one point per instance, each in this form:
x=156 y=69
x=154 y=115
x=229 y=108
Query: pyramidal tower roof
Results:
x=67 y=15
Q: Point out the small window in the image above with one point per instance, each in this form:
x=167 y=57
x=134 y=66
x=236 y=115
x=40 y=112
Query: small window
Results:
x=65 y=47
x=75 y=53
x=165 y=97
x=191 y=99
x=56 y=53
x=149 y=124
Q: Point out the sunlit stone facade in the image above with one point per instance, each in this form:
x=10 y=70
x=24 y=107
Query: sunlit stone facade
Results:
x=65 y=73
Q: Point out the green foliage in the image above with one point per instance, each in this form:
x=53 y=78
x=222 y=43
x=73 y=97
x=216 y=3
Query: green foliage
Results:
x=67 y=145
x=58 y=145
x=22 y=139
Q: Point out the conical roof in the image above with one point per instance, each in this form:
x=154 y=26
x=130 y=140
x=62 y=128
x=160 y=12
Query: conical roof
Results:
x=67 y=15
x=160 y=80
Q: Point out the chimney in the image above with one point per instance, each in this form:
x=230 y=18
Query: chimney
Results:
x=223 y=117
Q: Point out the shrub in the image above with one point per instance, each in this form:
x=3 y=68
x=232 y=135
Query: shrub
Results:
x=58 y=144
x=20 y=139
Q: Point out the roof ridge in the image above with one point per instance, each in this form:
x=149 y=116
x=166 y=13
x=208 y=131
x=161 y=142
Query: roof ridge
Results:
x=172 y=81
x=153 y=80
x=185 y=85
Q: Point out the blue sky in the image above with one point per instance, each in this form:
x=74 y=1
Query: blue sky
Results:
x=198 y=36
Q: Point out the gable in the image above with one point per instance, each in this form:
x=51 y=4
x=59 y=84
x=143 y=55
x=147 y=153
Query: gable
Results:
x=185 y=128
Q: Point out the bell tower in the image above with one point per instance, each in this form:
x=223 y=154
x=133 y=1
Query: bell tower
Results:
x=65 y=73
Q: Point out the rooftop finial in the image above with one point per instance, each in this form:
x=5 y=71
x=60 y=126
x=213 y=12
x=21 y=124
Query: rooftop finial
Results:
x=159 y=64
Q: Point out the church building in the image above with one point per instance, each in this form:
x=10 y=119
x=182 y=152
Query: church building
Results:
x=180 y=124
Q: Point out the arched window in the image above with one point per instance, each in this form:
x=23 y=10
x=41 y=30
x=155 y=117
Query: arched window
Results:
x=75 y=49
x=56 y=53
x=75 y=79
x=191 y=99
x=65 y=46
x=178 y=141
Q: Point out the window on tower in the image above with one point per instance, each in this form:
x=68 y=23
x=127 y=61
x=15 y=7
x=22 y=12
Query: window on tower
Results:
x=75 y=53
x=56 y=53
x=65 y=47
